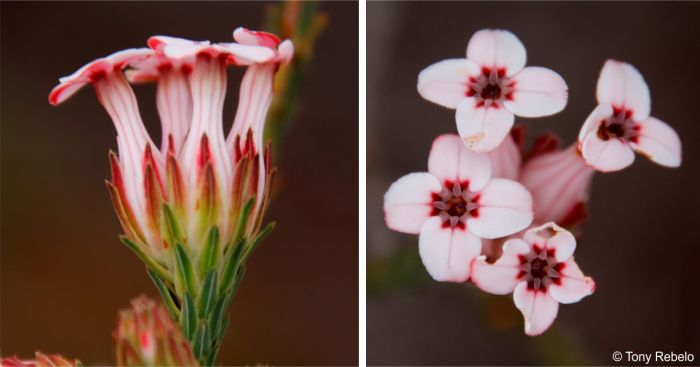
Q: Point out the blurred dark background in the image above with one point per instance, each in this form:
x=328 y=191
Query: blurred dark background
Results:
x=640 y=243
x=65 y=274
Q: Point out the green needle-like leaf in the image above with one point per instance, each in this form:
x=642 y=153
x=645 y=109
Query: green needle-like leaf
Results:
x=185 y=271
x=199 y=343
x=165 y=294
x=207 y=298
x=188 y=320
x=231 y=264
x=210 y=252
x=150 y=263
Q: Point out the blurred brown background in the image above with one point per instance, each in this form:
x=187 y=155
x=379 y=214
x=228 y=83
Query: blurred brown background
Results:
x=641 y=242
x=64 y=272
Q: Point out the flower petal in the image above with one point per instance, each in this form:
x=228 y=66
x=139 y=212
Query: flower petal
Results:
x=502 y=276
x=538 y=308
x=593 y=121
x=538 y=92
x=621 y=85
x=659 y=142
x=445 y=82
x=505 y=207
x=606 y=155
x=482 y=127
x=552 y=237
x=497 y=48
x=408 y=202
x=574 y=285
x=450 y=160
x=506 y=159
x=73 y=83
x=447 y=252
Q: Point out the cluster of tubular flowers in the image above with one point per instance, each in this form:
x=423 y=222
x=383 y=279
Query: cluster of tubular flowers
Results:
x=202 y=174
x=493 y=213
x=192 y=207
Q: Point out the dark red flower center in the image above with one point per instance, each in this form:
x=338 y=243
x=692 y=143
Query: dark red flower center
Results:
x=456 y=207
x=491 y=91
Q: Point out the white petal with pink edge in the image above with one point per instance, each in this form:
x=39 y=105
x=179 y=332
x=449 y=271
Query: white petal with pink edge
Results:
x=445 y=82
x=553 y=237
x=408 y=202
x=447 y=252
x=500 y=277
x=497 y=48
x=70 y=84
x=658 y=141
x=574 y=285
x=450 y=160
x=505 y=207
x=594 y=120
x=482 y=127
x=538 y=92
x=538 y=308
x=621 y=85
x=606 y=155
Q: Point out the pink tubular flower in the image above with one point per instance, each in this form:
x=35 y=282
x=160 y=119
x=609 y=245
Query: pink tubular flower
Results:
x=540 y=271
x=204 y=182
x=621 y=123
x=453 y=206
x=490 y=86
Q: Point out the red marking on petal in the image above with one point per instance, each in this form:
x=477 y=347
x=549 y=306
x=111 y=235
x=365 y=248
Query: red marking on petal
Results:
x=556 y=281
x=475 y=198
x=501 y=72
x=550 y=252
x=485 y=70
x=164 y=67
x=536 y=248
x=97 y=75
x=186 y=69
x=521 y=273
x=474 y=213
x=522 y=259
x=559 y=267
x=470 y=92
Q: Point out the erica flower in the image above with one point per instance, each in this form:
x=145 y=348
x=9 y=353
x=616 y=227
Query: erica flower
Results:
x=191 y=209
x=540 y=271
x=490 y=86
x=147 y=336
x=621 y=123
x=453 y=206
